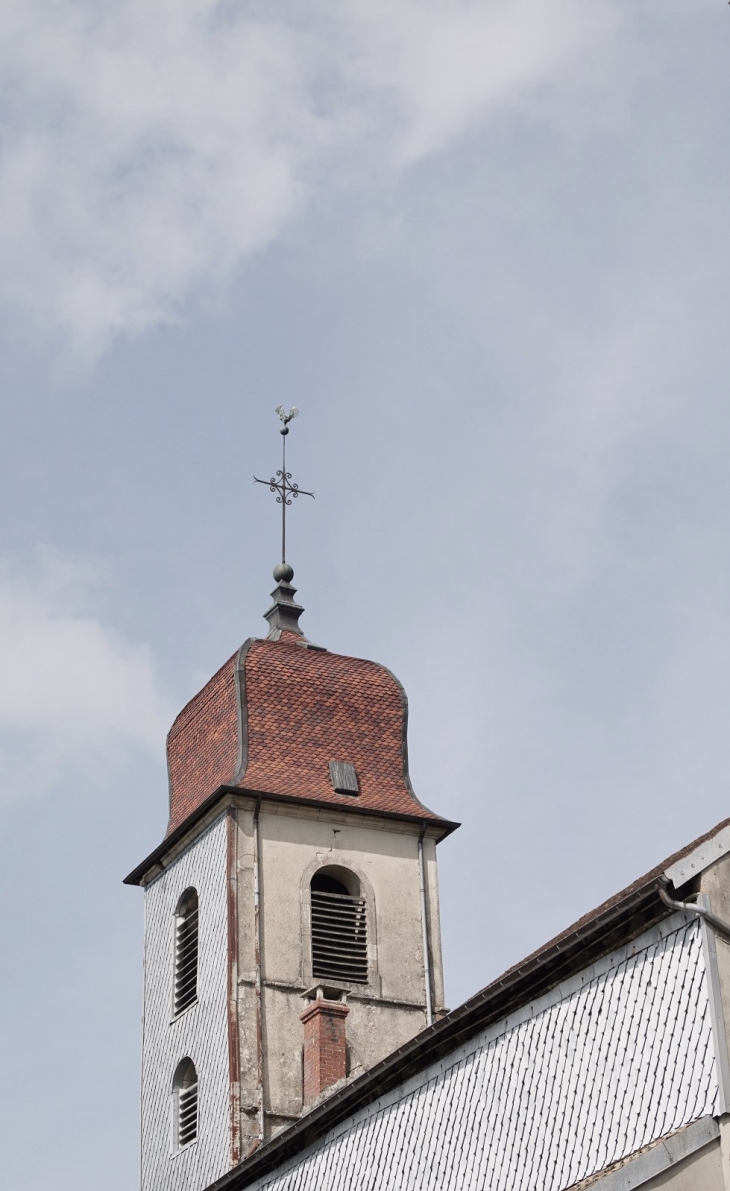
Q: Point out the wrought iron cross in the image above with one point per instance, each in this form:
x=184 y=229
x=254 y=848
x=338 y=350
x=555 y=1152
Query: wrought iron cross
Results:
x=283 y=486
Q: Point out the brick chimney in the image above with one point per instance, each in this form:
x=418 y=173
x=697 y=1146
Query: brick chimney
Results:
x=325 y=1042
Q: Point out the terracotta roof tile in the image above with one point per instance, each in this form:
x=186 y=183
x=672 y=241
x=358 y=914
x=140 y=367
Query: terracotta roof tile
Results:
x=299 y=709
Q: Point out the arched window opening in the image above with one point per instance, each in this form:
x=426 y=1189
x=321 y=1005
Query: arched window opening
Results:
x=186 y=951
x=185 y=1104
x=339 y=927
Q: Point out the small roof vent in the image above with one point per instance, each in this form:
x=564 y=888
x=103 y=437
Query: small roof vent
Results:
x=343 y=777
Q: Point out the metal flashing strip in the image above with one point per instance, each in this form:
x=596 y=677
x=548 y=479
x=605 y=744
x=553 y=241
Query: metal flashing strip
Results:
x=637 y=1171
x=702 y=857
x=717 y=1016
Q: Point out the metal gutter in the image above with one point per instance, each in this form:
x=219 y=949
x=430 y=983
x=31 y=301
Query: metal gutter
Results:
x=700 y=910
x=638 y=1169
x=710 y=926
x=717 y=1016
x=137 y=874
x=257 y=949
x=424 y=928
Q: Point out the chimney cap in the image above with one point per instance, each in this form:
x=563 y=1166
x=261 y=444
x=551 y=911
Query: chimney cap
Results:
x=324 y=992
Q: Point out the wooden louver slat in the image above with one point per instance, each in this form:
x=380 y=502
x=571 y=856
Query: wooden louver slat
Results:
x=186 y=954
x=339 y=937
x=187 y=1121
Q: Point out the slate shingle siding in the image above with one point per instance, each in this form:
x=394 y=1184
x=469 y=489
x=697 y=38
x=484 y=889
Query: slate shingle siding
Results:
x=200 y=1033
x=589 y=1074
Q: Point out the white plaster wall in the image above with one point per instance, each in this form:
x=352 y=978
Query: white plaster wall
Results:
x=200 y=1033
x=619 y=1056
x=384 y=1014
x=295 y=840
x=385 y=856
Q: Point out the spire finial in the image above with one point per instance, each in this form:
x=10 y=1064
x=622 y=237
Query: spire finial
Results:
x=284 y=612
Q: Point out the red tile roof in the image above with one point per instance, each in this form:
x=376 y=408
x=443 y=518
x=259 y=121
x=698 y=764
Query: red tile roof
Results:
x=276 y=714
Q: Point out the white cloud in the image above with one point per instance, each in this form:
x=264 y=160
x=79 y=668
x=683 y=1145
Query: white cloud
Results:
x=149 y=145
x=72 y=691
x=451 y=64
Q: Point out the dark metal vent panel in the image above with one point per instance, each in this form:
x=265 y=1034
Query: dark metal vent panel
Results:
x=339 y=937
x=343 y=777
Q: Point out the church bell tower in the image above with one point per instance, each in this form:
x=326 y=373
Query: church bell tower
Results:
x=292 y=933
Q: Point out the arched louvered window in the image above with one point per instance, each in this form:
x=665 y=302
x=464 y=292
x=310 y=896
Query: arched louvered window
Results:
x=184 y=1104
x=339 y=927
x=186 y=951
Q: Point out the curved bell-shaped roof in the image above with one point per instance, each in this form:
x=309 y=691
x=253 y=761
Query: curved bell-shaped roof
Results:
x=273 y=718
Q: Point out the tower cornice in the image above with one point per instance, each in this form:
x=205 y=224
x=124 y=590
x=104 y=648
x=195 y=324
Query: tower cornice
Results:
x=208 y=811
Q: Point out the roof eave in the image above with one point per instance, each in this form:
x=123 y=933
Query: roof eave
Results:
x=137 y=875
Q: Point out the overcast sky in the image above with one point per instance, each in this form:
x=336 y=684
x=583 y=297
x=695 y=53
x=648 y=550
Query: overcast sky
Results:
x=484 y=247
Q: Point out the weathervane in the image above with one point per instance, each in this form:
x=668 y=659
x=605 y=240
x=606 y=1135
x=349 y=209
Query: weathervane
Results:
x=283 y=486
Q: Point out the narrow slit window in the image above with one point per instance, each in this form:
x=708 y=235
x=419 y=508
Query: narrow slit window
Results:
x=186 y=951
x=339 y=930
x=185 y=1104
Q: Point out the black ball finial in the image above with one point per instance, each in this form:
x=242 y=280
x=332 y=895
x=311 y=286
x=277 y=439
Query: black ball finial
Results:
x=283 y=573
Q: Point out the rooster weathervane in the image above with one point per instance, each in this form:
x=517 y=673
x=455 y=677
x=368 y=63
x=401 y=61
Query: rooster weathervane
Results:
x=286 y=490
